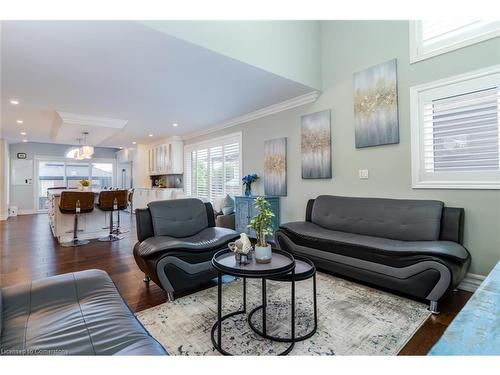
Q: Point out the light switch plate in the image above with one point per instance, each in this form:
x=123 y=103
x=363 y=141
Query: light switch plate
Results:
x=363 y=174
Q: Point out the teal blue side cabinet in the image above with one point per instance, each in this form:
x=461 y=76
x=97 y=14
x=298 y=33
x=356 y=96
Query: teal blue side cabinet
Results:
x=245 y=210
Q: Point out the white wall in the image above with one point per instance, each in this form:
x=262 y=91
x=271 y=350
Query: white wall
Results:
x=23 y=196
x=4 y=179
x=347 y=47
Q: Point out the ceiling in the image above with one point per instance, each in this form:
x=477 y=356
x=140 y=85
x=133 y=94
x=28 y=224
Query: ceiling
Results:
x=123 y=71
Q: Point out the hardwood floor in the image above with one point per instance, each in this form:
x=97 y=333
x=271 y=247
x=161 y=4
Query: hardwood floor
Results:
x=28 y=251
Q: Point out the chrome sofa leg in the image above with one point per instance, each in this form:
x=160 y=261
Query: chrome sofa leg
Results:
x=146 y=279
x=170 y=296
x=433 y=307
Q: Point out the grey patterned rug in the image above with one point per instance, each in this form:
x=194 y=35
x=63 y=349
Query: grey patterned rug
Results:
x=352 y=319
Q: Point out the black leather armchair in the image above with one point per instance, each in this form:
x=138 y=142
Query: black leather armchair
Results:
x=409 y=246
x=177 y=240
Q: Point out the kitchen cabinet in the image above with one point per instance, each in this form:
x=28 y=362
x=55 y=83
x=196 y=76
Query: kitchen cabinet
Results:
x=142 y=196
x=167 y=158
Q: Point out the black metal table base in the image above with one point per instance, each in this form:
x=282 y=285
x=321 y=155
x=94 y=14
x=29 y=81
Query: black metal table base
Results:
x=264 y=333
x=217 y=327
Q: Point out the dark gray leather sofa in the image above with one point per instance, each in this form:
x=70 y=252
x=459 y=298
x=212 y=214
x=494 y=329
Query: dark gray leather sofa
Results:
x=177 y=240
x=78 y=313
x=409 y=246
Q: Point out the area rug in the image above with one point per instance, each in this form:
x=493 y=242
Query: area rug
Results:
x=353 y=319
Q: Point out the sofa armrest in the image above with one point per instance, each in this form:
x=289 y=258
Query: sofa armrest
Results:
x=225 y=221
x=144 y=223
x=309 y=208
x=452 y=225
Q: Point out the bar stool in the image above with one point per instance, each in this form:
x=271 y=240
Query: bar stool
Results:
x=76 y=203
x=113 y=200
x=131 y=200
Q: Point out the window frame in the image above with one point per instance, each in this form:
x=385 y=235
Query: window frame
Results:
x=417 y=52
x=209 y=143
x=65 y=160
x=421 y=94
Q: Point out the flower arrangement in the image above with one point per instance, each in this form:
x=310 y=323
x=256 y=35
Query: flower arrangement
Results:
x=247 y=182
x=85 y=183
x=262 y=222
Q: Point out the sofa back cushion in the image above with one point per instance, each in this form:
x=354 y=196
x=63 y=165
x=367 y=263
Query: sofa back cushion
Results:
x=398 y=219
x=178 y=218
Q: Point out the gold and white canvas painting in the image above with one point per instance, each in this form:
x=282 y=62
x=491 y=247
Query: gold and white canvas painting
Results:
x=275 y=167
x=376 y=105
x=316 y=145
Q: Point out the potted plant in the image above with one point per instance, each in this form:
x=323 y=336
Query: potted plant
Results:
x=85 y=184
x=247 y=182
x=262 y=225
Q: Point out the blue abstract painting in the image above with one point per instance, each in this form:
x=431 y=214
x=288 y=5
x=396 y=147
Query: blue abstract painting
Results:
x=376 y=105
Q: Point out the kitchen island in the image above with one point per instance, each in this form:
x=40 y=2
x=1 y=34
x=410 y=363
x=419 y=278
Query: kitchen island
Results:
x=91 y=225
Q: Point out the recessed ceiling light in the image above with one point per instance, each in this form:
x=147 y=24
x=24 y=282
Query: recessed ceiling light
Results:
x=14 y=102
x=25 y=140
x=150 y=135
x=175 y=124
x=23 y=133
x=19 y=121
x=121 y=148
x=134 y=143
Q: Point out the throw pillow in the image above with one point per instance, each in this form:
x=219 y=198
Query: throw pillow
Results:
x=217 y=205
x=228 y=205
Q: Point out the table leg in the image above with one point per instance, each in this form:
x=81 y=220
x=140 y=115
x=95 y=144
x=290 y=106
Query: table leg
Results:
x=293 y=307
x=219 y=309
x=244 y=294
x=264 y=306
x=315 y=303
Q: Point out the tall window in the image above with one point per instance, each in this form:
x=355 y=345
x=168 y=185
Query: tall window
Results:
x=433 y=37
x=213 y=168
x=456 y=132
x=64 y=173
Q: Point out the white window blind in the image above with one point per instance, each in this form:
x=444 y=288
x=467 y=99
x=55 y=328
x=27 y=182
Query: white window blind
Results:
x=461 y=132
x=213 y=168
x=429 y=38
x=456 y=131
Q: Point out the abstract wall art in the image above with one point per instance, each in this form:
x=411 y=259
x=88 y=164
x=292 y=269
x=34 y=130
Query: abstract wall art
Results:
x=275 y=167
x=316 y=145
x=376 y=105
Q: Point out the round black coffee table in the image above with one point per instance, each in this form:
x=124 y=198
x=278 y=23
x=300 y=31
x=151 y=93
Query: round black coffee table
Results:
x=282 y=263
x=304 y=270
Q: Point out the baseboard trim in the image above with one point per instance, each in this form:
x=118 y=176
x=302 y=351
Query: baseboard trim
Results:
x=4 y=217
x=263 y=112
x=471 y=282
x=26 y=211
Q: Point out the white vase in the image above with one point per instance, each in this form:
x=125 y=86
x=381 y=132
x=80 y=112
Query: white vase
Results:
x=263 y=254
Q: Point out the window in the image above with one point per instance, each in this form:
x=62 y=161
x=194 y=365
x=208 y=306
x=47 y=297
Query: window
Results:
x=455 y=126
x=102 y=175
x=60 y=173
x=213 y=168
x=433 y=37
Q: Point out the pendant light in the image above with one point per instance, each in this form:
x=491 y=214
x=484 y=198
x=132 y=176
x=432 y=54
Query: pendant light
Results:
x=86 y=151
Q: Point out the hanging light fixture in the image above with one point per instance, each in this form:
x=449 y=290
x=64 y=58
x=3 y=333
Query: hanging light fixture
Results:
x=85 y=151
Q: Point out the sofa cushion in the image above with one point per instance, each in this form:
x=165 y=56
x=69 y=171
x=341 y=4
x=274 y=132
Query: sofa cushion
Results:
x=228 y=205
x=397 y=219
x=207 y=239
x=362 y=246
x=75 y=313
x=217 y=205
x=178 y=217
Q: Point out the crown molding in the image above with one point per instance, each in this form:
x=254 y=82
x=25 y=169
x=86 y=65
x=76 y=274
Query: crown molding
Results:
x=263 y=112
x=85 y=120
